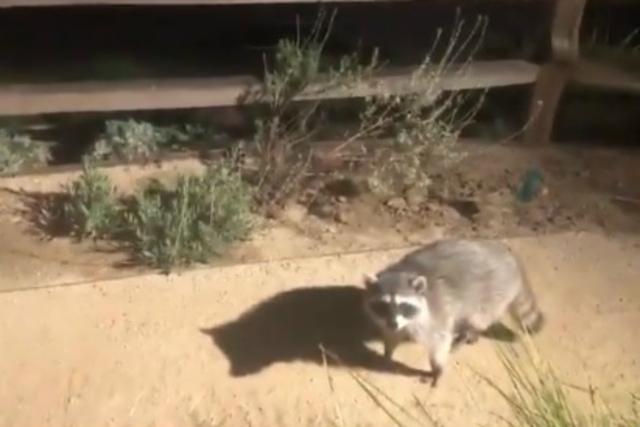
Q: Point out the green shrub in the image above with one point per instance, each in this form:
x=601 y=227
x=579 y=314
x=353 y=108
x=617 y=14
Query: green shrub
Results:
x=128 y=140
x=18 y=151
x=193 y=222
x=91 y=209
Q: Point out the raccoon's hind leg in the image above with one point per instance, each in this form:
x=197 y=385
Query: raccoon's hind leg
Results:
x=466 y=333
x=525 y=311
x=470 y=336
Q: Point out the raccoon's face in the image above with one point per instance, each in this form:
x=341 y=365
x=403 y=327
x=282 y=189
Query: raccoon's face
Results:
x=396 y=300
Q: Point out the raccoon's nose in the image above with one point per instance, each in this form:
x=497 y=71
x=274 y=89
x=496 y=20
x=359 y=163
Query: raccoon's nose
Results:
x=393 y=323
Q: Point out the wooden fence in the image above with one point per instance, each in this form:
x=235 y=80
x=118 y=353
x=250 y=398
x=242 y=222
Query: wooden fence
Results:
x=549 y=79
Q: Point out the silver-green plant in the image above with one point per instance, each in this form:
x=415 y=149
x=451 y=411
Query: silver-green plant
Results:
x=18 y=151
x=192 y=222
x=91 y=209
x=282 y=124
x=423 y=124
x=129 y=140
x=422 y=121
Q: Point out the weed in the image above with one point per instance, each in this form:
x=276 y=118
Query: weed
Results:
x=538 y=398
x=283 y=124
x=18 y=151
x=535 y=395
x=396 y=412
x=422 y=121
x=192 y=223
x=91 y=209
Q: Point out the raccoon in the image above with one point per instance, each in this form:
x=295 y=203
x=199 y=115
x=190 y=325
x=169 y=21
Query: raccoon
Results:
x=447 y=293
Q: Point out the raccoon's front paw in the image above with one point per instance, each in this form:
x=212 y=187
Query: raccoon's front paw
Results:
x=471 y=337
x=433 y=377
x=466 y=335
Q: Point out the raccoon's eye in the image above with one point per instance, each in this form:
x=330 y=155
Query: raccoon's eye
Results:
x=407 y=310
x=380 y=308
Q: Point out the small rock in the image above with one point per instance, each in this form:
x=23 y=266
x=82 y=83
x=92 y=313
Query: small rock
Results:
x=415 y=197
x=323 y=207
x=432 y=207
x=294 y=212
x=397 y=203
x=324 y=210
x=273 y=211
x=330 y=229
x=494 y=198
x=343 y=216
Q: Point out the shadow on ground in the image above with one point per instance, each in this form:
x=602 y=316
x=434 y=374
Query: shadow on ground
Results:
x=290 y=326
x=44 y=212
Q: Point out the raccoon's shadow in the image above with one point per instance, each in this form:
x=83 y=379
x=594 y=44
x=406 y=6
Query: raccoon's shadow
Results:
x=500 y=332
x=290 y=326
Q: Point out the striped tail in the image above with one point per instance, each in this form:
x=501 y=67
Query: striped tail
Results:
x=525 y=310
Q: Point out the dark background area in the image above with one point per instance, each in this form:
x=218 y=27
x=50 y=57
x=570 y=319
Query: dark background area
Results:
x=107 y=43
x=214 y=40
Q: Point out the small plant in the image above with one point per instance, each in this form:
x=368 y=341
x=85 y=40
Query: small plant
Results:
x=421 y=121
x=396 y=412
x=91 y=209
x=192 y=223
x=283 y=124
x=18 y=151
x=418 y=146
x=538 y=398
x=423 y=124
x=129 y=140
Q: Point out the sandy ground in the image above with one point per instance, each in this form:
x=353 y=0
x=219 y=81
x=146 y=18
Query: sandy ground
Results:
x=174 y=350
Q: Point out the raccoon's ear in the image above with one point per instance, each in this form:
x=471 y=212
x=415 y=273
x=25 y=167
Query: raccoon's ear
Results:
x=419 y=283
x=369 y=280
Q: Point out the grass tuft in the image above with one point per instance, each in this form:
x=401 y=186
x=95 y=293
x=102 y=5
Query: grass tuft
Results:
x=538 y=398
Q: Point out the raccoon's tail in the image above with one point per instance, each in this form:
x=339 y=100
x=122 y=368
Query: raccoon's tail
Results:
x=525 y=310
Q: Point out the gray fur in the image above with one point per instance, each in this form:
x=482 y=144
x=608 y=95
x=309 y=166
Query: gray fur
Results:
x=458 y=289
